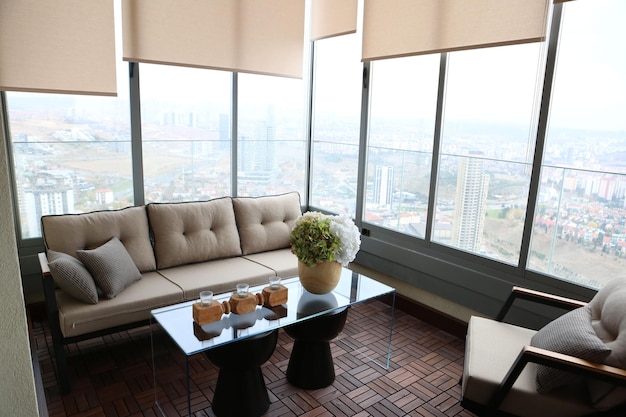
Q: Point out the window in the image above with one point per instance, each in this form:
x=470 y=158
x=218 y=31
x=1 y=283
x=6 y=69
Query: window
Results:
x=185 y=127
x=271 y=135
x=336 y=124
x=400 y=143
x=487 y=145
x=71 y=153
x=579 y=229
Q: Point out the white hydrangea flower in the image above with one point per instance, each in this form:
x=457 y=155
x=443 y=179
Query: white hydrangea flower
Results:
x=346 y=230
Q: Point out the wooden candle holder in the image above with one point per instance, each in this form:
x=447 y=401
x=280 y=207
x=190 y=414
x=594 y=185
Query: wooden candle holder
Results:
x=243 y=305
x=213 y=312
x=269 y=297
x=273 y=297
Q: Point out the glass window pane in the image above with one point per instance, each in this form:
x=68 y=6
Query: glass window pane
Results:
x=336 y=124
x=400 y=144
x=71 y=153
x=271 y=133
x=486 y=150
x=185 y=124
x=579 y=231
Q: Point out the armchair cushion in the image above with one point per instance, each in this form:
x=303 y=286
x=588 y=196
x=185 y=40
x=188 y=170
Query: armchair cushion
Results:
x=608 y=318
x=491 y=348
x=571 y=334
x=111 y=266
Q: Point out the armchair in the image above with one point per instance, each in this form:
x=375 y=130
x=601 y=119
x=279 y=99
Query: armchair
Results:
x=573 y=366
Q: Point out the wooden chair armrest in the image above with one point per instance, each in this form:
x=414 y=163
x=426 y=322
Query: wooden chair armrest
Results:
x=560 y=361
x=539 y=297
x=576 y=365
x=43 y=263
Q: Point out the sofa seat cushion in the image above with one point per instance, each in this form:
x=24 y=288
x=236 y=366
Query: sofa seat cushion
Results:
x=487 y=361
x=191 y=232
x=281 y=261
x=264 y=223
x=219 y=276
x=131 y=305
x=69 y=233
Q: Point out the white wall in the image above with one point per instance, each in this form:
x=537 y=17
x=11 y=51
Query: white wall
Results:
x=17 y=385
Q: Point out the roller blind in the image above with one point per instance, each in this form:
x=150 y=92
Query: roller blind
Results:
x=255 y=36
x=332 y=18
x=61 y=46
x=394 y=28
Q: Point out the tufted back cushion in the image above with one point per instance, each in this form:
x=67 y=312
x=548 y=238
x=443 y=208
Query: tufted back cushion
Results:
x=608 y=318
x=265 y=223
x=193 y=231
x=69 y=233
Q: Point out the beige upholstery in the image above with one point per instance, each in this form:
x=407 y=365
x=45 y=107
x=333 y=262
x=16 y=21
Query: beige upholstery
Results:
x=488 y=359
x=608 y=318
x=219 y=275
x=556 y=371
x=264 y=223
x=131 y=305
x=71 y=232
x=193 y=231
x=195 y=246
x=281 y=261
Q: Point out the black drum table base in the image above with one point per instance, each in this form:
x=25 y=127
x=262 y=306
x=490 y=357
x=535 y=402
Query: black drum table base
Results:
x=311 y=362
x=240 y=389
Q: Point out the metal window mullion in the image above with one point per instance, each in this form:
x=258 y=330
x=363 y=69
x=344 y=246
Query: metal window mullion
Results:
x=363 y=142
x=432 y=193
x=135 y=134
x=234 y=117
x=542 y=129
x=308 y=148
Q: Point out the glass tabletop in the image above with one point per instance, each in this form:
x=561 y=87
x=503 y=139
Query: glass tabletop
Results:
x=301 y=305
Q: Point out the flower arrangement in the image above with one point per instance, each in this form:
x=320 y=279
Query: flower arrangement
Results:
x=318 y=238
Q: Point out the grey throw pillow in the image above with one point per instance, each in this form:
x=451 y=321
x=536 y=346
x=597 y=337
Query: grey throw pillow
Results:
x=111 y=266
x=72 y=277
x=570 y=334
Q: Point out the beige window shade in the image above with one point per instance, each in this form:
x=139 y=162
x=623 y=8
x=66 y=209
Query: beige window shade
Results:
x=255 y=36
x=332 y=18
x=61 y=46
x=394 y=28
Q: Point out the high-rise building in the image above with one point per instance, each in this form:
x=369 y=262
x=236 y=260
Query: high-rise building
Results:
x=44 y=201
x=470 y=202
x=383 y=185
x=257 y=155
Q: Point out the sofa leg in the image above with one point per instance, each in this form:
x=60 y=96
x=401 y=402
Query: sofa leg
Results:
x=61 y=365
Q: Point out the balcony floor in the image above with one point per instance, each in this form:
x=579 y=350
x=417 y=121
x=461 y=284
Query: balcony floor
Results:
x=112 y=375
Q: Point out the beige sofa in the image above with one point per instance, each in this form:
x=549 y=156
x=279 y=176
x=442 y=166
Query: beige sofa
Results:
x=105 y=271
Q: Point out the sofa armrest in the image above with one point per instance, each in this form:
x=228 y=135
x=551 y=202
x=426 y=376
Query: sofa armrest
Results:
x=43 y=263
x=52 y=311
x=539 y=297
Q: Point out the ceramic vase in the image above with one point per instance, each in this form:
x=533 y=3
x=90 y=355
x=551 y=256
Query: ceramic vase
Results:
x=321 y=278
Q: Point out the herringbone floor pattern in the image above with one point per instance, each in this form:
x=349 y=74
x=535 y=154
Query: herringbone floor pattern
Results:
x=112 y=375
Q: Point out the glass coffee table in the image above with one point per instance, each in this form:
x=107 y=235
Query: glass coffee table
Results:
x=191 y=339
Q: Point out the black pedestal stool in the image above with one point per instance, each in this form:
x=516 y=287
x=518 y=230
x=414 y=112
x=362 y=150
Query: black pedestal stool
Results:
x=311 y=363
x=240 y=389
